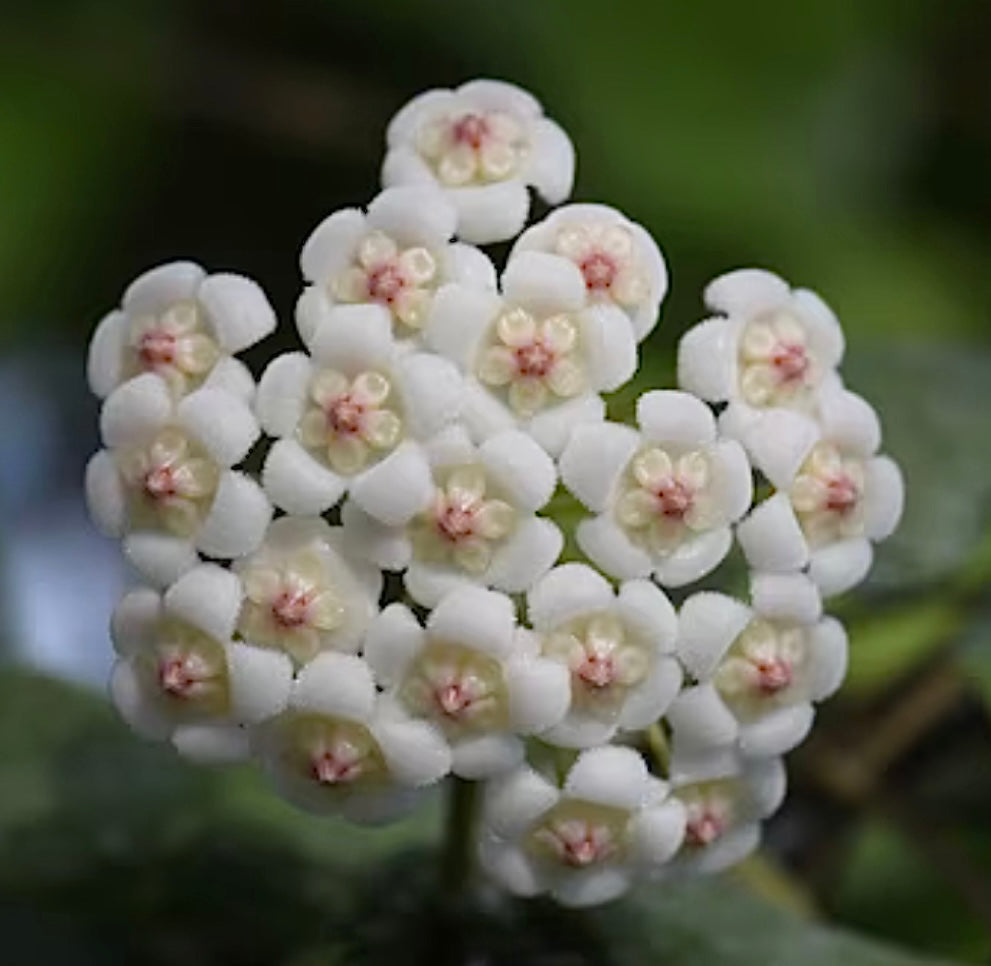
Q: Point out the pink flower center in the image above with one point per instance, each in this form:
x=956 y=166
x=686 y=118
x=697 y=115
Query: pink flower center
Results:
x=791 y=361
x=291 y=608
x=580 y=844
x=157 y=349
x=456 y=522
x=160 y=483
x=345 y=415
x=385 y=283
x=331 y=769
x=705 y=828
x=599 y=270
x=471 y=129
x=773 y=675
x=674 y=498
x=176 y=678
x=453 y=700
x=535 y=359
x=842 y=494
x=597 y=671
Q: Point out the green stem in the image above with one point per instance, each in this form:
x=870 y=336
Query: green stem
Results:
x=459 y=844
x=660 y=749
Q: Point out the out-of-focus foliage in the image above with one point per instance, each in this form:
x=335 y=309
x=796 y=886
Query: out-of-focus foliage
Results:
x=115 y=853
x=845 y=144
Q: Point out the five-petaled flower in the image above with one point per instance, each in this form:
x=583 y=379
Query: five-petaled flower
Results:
x=538 y=357
x=477 y=525
x=180 y=676
x=472 y=674
x=394 y=257
x=759 y=668
x=770 y=347
x=353 y=419
x=617 y=646
x=340 y=748
x=611 y=824
x=164 y=483
x=304 y=592
x=483 y=144
x=726 y=798
x=619 y=261
x=664 y=496
x=834 y=496
x=183 y=325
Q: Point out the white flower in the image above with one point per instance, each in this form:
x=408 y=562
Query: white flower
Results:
x=611 y=824
x=538 y=357
x=179 y=675
x=834 y=495
x=483 y=143
x=472 y=674
x=184 y=325
x=770 y=347
x=164 y=481
x=352 y=418
x=619 y=261
x=759 y=668
x=665 y=496
x=338 y=749
x=304 y=593
x=726 y=797
x=478 y=523
x=394 y=257
x=616 y=645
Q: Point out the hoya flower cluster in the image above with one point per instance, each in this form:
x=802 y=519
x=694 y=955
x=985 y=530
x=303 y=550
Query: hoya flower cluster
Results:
x=434 y=408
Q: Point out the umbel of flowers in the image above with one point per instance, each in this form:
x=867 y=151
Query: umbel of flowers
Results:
x=421 y=431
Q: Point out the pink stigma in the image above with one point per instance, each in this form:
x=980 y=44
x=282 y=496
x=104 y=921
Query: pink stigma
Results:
x=674 y=498
x=705 y=829
x=157 y=349
x=773 y=676
x=791 y=362
x=160 y=483
x=534 y=359
x=842 y=494
x=385 y=283
x=175 y=678
x=452 y=700
x=597 y=671
x=599 y=271
x=471 y=130
x=291 y=609
x=345 y=415
x=328 y=770
x=456 y=522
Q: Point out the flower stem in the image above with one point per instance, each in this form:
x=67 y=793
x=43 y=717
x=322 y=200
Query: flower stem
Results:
x=660 y=750
x=459 y=844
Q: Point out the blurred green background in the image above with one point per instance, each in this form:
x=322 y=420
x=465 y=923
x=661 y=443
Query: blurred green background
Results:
x=844 y=144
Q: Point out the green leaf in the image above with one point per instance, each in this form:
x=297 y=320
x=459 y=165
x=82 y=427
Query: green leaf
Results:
x=933 y=402
x=888 y=888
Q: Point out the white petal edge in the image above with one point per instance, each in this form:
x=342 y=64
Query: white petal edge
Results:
x=396 y=489
x=793 y=597
x=414 y=215
x=830 y=655
x=678 y=418
x=394 y=638
x=105 y=356
x=135 y=411
x=520 y=468
x=237 y=519
x=158 y=288
x=531 y=550
x=539 y=692
x=839 y=567
x=208 y=598
x=694 y=559
x=295 y=482
x=480 y=619
x=746 y=291
x=551 y=164
x=337 y=685
x=611 y=776
x=159 y=557
x=771 y=538
x=707 y=359
x=708 y=623
x=239 y=311
x=594 y=459
x=565 y=592
x=608 y=547
x=543 y=283
x=884 y=497
x=105 y=496
x=778 y=732
x=260 y=681
x=282 y=392
x=221 y=423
